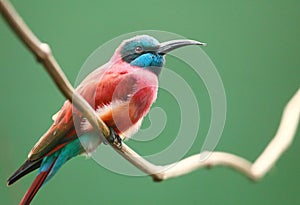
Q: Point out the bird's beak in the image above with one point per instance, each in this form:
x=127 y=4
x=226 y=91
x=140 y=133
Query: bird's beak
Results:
x=168 y=46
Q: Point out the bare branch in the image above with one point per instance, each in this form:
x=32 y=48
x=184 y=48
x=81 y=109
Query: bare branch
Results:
x=43 y=53
x=282 y=140
x=255 y=171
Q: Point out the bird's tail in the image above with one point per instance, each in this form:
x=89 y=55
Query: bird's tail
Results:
x=49 y=166
x=26 y=168
x=39 y=180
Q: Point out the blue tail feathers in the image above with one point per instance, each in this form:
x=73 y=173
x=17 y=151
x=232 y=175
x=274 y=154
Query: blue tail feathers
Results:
x=61 y=156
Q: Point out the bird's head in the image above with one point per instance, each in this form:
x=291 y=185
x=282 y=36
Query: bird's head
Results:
x=146 y=52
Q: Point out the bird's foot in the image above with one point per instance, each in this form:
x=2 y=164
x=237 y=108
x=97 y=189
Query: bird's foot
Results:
x=114 y=138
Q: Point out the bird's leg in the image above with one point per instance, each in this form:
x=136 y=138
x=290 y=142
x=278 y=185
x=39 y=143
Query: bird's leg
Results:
x=114 y=137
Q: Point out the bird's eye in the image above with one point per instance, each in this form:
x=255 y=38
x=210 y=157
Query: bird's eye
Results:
x=138 y=49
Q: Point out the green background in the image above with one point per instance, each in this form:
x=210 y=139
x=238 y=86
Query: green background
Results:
x=255 y=47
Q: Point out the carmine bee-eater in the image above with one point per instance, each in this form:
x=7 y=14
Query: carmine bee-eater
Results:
x=121 y=91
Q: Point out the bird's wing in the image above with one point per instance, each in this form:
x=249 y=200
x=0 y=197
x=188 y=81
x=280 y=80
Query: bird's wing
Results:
x=62 y=127
x=132 y=90
x=62 y=130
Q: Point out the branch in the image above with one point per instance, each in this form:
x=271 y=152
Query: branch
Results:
x=281 y=141
x=255 y=171
x=44 y=55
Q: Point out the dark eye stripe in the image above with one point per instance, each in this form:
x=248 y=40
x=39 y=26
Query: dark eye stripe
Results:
x=130 y=57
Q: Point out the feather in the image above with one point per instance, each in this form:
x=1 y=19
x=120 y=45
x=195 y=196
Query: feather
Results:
x=27 y=167
x=36 y=185
x=55 y=116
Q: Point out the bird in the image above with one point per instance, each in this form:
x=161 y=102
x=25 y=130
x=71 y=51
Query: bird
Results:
x=120 y=91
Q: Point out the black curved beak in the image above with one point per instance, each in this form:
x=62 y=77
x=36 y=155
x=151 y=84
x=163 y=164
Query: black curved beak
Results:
x=168 y=46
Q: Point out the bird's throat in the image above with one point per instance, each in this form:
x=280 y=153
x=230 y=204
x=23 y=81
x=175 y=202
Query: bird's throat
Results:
x=150 y=61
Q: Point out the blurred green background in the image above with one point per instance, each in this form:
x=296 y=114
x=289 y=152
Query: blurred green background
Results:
x=255 y=46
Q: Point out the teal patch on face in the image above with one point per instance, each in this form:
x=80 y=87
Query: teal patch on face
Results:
x=141 y=51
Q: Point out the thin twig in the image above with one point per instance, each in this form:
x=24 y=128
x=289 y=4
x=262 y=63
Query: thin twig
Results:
x=44 y=55
x=255 y=171
x=280 y=142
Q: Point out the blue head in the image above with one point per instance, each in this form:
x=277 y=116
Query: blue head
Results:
x=146 y=52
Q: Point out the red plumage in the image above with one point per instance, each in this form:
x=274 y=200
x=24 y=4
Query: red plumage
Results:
x=121 y=92
x=35 y=186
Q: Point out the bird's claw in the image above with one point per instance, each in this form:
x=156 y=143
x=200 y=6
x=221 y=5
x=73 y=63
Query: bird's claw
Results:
x=114 y=138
